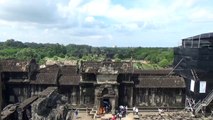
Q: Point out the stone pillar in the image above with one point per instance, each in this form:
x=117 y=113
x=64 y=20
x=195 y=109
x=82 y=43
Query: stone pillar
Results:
x=97 y=100
x=137 y=97
x=147 y=96
x=31 y=90
x=98 y=103
x=116 y=96
x=112 y=101
x=81 y=96
x=74 y=96
x=36 y=89
x=39 y=89
x=131 y=98
x=153 y=97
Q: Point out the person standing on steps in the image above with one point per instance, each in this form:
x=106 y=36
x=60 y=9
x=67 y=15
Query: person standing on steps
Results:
x=87 y=111
x=76 y=114
x=134 y=110
x=126 y=109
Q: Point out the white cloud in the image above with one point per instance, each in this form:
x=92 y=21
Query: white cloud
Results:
x=96 y=7
x=102 y=20
x=201 y=15
x=158 y=14
x=3 y=1
x=39 y=11
x=89 y=19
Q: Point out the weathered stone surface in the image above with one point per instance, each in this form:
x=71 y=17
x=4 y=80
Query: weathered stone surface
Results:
x=8 y=111
x=179 y=115
x=50 y=107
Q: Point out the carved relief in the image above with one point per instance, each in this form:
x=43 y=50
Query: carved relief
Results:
x=105 y=90
x=107 y=69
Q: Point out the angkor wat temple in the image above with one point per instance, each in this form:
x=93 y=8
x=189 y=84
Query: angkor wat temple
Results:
x=89 y=84
x=31 y=92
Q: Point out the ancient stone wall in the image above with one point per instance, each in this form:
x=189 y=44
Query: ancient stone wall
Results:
x=158 y=97
x=106 y=78
x=50 y=106
x=71 y=92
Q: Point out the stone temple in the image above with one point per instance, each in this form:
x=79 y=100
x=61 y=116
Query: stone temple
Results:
x=53 y=92
x=89 y=85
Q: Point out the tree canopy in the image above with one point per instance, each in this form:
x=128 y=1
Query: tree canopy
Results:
x=160 y=57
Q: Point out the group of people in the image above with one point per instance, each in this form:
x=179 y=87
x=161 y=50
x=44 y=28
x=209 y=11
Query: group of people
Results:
x=121 y=112
x=105 y=108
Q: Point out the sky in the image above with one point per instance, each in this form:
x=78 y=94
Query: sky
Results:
x=121 y=23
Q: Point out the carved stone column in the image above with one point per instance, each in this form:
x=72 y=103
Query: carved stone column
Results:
x=81 y=96
x=112 y=101
x=147 y=96
x=116 y=96
x=97 y=100
x=153 y=97
x=74 y=96
x=131 y=98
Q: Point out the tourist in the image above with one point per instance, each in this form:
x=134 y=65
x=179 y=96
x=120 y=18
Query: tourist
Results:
x=120 y=115
x=136 y=111
x=68 y=116
x=126 y=108
x=107 y=109
x=76 y=113
x=113 y=117
x=160 y=111
x=117 y=114
x=121 y=107
x=87 y=111
x=124 y=111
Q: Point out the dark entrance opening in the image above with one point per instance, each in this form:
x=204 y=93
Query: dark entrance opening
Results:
x=106 y=105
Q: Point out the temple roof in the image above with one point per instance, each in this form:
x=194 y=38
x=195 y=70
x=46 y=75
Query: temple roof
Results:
x=69 y=80
x=13 y=65
x=161 y=82
x=46 y=76
x=106 y=66
x=154 y=72
x=65 y=75
x=68 y=70
x=69 y=75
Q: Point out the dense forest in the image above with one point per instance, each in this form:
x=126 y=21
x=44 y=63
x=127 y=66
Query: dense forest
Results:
x=157 y=57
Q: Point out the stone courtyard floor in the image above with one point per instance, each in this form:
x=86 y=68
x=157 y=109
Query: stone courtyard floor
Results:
x=180 y=115
x=84 y=116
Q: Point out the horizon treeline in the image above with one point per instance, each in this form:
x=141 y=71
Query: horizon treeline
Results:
x=11 y=48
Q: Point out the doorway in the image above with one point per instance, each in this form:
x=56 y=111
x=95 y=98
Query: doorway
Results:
x=105 y=106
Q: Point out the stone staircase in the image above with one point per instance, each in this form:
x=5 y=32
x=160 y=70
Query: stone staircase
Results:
x=205 y=102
